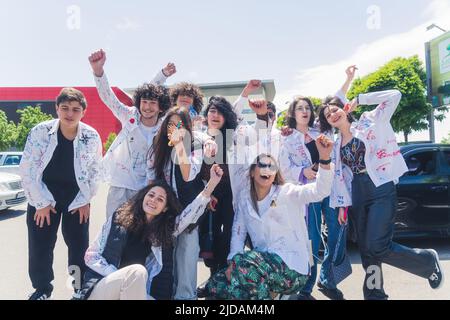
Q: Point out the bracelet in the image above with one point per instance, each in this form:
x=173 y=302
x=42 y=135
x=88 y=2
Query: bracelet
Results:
x=325 y=162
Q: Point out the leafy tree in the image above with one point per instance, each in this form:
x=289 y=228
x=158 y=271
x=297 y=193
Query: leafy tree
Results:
x=447 y=139
x=8 y=132
x=111 y=137
x=409 y=77
x=29 y=117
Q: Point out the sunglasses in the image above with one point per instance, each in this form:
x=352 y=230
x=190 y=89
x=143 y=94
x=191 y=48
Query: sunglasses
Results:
x=269 y=166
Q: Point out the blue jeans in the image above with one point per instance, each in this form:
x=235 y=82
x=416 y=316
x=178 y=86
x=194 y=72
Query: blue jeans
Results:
x=186 y=258
x=315 y=211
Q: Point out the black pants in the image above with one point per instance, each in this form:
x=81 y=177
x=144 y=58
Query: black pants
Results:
x=373 y=215
x=222 y=224
x=41 y=243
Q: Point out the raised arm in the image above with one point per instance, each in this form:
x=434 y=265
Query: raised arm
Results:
x=119 y=109
x=387 y=102
x=197 y=207
x=242 y=101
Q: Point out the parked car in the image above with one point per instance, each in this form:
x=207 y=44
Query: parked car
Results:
x=424 y=192
x=9 y=162
x=11 y=191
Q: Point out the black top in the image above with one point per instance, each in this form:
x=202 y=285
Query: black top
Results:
x=59 y=175
x=135 y=251
x=312 y=148
x=352 y=155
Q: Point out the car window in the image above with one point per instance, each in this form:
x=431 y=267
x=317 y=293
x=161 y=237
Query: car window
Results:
x=421 y=163
x=446 y=163
x=12 y=160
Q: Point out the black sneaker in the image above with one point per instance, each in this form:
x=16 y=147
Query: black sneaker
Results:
x=436 y=280
x=333 y=294
x=40 y=295
x=302 y=296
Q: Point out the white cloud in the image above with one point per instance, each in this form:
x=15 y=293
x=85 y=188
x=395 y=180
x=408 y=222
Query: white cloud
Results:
x=326 y=79
x=127 y=24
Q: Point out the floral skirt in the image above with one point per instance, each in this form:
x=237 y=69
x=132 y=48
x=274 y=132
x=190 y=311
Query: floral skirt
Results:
x=254 y=276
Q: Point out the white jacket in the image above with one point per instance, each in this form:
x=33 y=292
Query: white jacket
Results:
x=282 y=228
x=41 y=144
x=124 y=164
x=384 y=162
x=294 y=155
x=154 y=263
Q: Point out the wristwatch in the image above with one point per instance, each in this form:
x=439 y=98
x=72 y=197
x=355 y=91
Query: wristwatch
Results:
x=325 y=161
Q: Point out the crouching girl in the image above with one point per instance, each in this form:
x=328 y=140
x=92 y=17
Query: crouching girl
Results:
x=127 y=254
x=273 y=215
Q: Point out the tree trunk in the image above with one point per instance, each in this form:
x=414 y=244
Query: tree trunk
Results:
x=405 y=134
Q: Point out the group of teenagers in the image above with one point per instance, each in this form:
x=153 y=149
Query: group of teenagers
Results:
x=187 y=180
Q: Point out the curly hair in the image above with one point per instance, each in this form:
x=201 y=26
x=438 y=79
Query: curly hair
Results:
x=161 y=151
x=290 y=116
x=188 y=89
x=323 y=122
x=150 y=91
x=225 y=109
x=159 y=232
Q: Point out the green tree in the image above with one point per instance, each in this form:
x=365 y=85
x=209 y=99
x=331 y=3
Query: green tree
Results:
x=29 y=117
x=446 y=140
x=111 y=137
x=281 y=120
x=409 y=77
x=8 y=132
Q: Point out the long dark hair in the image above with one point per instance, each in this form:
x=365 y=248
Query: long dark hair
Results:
x=279 y=180
x=290 y=118
x=323 y=122
x=159 y=232
x=161 y=150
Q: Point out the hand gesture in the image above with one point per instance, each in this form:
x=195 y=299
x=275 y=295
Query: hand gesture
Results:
x=175 y=133
x=251 y=87
x=43 y=215
x=309 y=173
x=324 y=146
x=350 y=71
x=216 y=174
x=342 y=217
x=97 y=60
x=84 y=212
x=259 y=106
x=169 y=70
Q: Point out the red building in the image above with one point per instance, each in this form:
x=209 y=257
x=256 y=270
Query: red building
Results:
x=98 y=114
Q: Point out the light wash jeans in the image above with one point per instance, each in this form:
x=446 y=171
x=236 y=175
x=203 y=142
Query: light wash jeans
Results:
x=315 y=211
x=186 y=258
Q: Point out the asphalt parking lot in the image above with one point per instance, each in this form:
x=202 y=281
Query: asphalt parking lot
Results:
x=15 y=284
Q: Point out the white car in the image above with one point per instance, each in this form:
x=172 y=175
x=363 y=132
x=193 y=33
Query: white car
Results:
x=11 y=191
x=9 y=161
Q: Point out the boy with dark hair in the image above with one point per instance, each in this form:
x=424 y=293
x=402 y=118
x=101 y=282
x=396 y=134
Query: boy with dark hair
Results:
x=124 y=165
x=60 y=173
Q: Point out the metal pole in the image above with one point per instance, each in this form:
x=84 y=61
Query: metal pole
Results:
x=430 y=92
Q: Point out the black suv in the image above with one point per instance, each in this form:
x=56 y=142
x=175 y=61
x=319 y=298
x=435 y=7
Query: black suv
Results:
x=424 y=192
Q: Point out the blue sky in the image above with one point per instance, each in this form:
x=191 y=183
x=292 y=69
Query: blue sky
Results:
x=303 y=45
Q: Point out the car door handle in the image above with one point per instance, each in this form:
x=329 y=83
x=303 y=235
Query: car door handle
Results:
x=439 y=188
